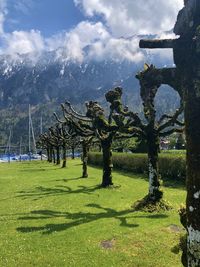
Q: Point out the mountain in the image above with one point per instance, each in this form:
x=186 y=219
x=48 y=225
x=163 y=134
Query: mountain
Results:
x=46 y=80
x=49 y=79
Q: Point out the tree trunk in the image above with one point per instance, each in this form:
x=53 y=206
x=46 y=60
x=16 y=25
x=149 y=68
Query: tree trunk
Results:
x=73 y=153
x=50 y=154
x=57 y=155
x=54 y=156
x=107 y=162
x=41 y=155
x=192 y=125
x=64 y=163
x=85 y=159
x=153 y=170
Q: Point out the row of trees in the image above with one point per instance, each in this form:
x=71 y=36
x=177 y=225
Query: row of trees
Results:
x=96 y=127
x=122 y=123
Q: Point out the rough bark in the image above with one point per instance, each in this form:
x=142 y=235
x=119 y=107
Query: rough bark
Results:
x=187 y=61
x=64 y=163
x=41 y=157
x=73 y=153
x=186 y=58
x=107 y=162
x=50 y=155
x=57 y=155
x=155 y=194
x=192 y=115
x=54 y=156
x=85 y=159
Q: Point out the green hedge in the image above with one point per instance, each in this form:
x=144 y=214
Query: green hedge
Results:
x=172 y=165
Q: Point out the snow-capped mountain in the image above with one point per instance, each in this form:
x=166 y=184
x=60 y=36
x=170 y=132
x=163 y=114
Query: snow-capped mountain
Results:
x=50 y=78
x=23 y=81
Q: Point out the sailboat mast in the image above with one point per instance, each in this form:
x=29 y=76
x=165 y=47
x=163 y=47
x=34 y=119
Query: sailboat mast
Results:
x=29 y=129
x=33 y=136
x=20 y=149
x=9 y=145
x=41 y=130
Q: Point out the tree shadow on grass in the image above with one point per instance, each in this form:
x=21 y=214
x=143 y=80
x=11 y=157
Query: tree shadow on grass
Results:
x=68 y=180
x=152 y=216
x=40 y=169
x=41 y=192
x=79 y=218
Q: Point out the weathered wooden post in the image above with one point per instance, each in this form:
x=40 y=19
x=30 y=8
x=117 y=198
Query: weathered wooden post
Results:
x=186 y=51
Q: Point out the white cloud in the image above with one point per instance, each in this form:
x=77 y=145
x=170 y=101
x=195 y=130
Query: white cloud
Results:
x=18 y=42
x=84 y=35
x=130 y=17
x=78 y=40
x=21 y=42
x=106 y=39
x=117 y=49
x=3 y=12
x=93 y=41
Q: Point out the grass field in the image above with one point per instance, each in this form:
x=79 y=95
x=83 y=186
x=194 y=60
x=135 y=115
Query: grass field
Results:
x=52 y=217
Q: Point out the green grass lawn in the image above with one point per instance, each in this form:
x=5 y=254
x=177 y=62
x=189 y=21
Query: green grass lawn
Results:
x=52 y=217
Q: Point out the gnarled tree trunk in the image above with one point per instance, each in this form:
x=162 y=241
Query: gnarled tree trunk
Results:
x=153 y=170
x=50 y=154
x=73 y=153
x=107 y=162
x=57 y=155
x=192 y=123
x=54 y=156
x=85 y=159
x=64 y=163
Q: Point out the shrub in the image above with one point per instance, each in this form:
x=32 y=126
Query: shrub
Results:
x=172 y=165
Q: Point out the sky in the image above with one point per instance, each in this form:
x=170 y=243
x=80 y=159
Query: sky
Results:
x=84 y=29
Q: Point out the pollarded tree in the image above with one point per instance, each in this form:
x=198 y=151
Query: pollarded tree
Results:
x=186 y=51
x=68 y=139
x=56 y=140
x=95 y=124
x=45 y=140
x=151 y=130
x=73 y=143
x=85 y=142
x=72 y=129
x=42 y=143
x=105 y=132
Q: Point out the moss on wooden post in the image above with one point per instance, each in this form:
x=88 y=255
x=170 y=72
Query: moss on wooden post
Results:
x=186 y=51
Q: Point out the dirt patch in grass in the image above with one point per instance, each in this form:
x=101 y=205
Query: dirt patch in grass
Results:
x=107 y=244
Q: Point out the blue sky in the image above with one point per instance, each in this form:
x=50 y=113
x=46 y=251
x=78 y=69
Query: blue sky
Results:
x=103 y=28
x=47 y=16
